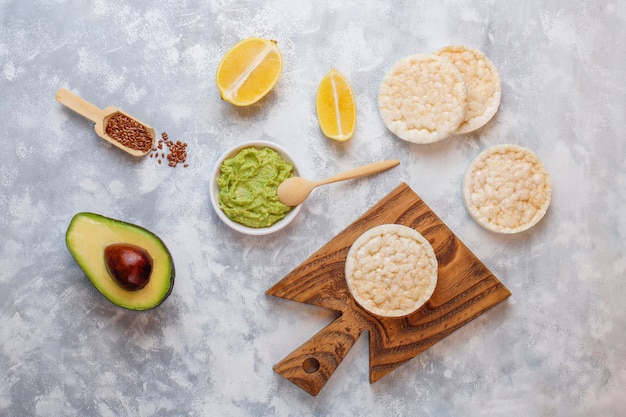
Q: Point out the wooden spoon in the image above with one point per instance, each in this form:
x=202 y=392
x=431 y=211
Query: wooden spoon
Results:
x=102 y=118
x=295 y=190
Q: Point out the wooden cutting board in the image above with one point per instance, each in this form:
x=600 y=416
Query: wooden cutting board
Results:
x=465 y=289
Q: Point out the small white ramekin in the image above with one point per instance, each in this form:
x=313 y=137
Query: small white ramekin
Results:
x=214 y=189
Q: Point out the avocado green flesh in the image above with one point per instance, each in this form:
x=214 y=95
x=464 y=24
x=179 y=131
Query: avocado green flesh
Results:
x=89 y=234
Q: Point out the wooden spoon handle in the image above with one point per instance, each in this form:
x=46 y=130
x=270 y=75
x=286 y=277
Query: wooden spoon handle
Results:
x=79 y=105
x=360 y=171
x=312 y=364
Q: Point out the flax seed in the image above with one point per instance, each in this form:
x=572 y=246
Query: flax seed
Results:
x=177 y=151
x=129 y=132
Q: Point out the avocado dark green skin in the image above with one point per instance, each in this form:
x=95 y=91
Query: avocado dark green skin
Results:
x=88 y=235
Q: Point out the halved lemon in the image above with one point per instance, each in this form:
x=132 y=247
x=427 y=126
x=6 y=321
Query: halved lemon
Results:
x=249 y=70
x=336 y=108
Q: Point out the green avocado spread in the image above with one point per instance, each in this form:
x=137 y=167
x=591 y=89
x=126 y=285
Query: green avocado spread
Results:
x=248 y=183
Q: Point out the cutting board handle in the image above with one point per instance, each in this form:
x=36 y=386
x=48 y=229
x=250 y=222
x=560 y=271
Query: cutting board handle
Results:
x=312 y=364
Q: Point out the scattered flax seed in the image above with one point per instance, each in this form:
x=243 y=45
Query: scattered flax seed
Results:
x=128 y=132
x=177 y=151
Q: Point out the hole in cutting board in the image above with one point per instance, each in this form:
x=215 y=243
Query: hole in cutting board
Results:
x=310 y=365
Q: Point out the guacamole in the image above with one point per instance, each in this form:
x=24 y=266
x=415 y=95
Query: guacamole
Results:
x=248 y=183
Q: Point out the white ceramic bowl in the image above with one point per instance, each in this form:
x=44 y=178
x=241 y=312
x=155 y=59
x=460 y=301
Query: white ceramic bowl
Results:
x=214 y=189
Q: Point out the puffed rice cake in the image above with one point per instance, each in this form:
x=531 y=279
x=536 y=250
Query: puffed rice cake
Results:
x=483 y=84
x=391 y=270
x=423 y=98
x=507 y=189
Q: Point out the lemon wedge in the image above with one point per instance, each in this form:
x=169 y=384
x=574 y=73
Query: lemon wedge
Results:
x=336 y=108
x=249 y=70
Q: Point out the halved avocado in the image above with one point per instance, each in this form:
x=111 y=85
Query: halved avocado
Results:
x=87 y=237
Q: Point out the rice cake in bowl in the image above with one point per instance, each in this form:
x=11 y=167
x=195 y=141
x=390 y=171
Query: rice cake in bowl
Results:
x=423 y=98
x=507 y=189
x=391 y=270
x=482 y=80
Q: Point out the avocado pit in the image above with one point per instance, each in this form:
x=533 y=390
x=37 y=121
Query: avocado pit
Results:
x=129 y=265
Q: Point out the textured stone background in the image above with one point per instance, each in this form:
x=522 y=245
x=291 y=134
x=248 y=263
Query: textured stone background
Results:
x=555 y=348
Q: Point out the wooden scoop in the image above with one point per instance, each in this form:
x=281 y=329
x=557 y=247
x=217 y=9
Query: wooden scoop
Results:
x=102 y=118
x=295 y=190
